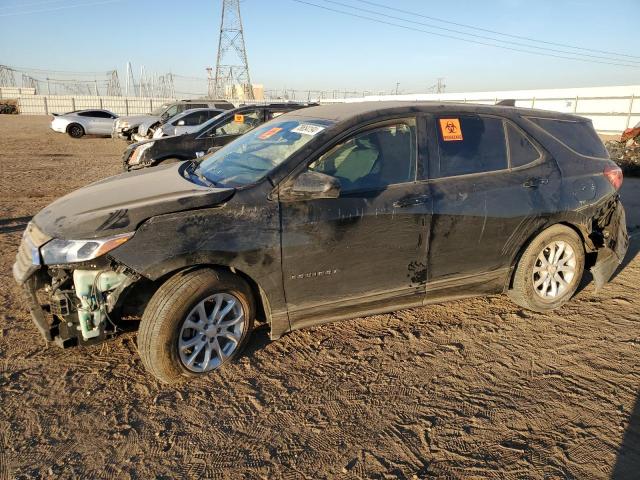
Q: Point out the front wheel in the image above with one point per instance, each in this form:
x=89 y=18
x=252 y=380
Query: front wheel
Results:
x=549 y=271
x=195 y=323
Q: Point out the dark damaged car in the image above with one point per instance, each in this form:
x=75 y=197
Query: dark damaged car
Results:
x=213 y=134
x=322 y=214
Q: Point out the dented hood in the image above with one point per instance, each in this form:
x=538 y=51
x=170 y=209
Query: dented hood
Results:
x=119 y=204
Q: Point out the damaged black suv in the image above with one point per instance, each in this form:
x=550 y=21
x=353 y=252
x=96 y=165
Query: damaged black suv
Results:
x=321 y=214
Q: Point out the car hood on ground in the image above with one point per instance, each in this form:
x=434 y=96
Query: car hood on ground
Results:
x=119 y=204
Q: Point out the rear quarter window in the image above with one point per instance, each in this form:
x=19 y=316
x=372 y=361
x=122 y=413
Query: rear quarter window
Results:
x=579 y=136
x=521 y=151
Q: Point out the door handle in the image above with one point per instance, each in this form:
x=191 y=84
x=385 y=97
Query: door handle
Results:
x=535 y=182
x=409 y=202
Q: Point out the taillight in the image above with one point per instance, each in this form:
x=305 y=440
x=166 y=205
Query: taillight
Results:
x=614 y=175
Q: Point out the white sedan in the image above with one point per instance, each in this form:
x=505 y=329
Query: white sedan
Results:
x=84 y=122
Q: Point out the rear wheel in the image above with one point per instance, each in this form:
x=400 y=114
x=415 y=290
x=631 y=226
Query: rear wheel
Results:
x=549 y=271
x=75 y=130
x=195 y=323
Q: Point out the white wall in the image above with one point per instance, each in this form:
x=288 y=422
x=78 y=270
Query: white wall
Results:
x=48 y=104
x=612 y=109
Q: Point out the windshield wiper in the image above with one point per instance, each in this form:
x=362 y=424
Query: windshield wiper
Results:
x=193 y=165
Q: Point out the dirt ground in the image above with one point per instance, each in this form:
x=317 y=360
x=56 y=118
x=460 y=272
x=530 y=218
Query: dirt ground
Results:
x=470 y=389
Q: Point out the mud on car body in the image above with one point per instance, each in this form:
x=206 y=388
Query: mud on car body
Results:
x=327 y=213
x=215 y=133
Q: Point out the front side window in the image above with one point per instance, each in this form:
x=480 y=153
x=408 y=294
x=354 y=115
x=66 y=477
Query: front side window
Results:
x=192 y=119
x=252 y=156
x=469 y=144
x=101 y=114
x=373 y=159
x=239 y=123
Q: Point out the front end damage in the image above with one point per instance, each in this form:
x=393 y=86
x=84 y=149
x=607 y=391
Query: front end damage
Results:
x=70 y=304
x=607 y=237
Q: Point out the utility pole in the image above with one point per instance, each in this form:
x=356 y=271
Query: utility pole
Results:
x=231 y=71
x=397 y=86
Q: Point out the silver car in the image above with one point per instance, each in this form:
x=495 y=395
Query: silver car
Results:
x=186 y=122
x=84 y=122
x=126 y=127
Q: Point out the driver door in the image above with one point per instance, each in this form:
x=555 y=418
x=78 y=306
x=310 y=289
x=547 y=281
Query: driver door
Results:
x=366 y=249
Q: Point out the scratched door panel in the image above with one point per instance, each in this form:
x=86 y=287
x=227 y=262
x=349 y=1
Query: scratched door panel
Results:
x=354 y=246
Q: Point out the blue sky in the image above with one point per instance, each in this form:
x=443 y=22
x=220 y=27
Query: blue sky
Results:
x=298 y=46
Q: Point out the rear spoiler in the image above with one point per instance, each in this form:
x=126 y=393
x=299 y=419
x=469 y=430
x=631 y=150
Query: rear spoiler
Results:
x=511 y=102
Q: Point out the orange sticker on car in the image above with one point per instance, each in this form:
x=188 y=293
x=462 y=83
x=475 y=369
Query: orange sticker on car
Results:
x=269 y=133
x=451 y=130
x=238 y=118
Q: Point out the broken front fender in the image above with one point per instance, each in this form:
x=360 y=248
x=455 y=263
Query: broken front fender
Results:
x=615 y=244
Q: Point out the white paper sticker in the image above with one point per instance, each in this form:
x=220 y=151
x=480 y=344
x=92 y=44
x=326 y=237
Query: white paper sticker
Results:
x=307 y=129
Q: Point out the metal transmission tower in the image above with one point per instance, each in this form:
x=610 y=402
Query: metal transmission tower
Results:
x=232 y=78
x=7 y=78
x=113 y=85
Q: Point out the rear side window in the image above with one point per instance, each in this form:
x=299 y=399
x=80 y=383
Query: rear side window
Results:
x=470 y=144
x=521 y=150
x=578 y=136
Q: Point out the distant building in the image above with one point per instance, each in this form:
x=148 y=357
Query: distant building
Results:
x=237 y=92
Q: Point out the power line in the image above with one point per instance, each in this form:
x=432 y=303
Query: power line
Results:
x=497 y=32
x=504 y=47
x=484 y=37
x=62 y=7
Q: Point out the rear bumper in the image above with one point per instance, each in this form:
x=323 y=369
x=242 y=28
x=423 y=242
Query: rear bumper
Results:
x=615 y=245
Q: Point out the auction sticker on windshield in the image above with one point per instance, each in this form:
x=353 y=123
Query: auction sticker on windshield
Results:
x=238 y=118
x=307 y=129
x=269 y=133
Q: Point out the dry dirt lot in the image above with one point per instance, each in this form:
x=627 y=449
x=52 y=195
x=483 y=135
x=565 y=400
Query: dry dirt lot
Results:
x=471 y=389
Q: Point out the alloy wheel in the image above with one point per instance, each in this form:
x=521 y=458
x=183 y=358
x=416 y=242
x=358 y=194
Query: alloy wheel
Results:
x=211 y=332
x=554 y=270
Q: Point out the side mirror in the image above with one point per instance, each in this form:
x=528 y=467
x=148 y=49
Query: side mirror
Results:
x=181 y=123
x=311 y=185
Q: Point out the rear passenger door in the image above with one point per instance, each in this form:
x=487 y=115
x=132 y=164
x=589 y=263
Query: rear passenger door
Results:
x=490 y=182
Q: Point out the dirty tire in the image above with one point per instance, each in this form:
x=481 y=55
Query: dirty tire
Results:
x=75 y=130
x=168 y=308
x=523 y=292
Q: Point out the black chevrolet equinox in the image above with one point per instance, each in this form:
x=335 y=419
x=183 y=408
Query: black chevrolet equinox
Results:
x=321 y=214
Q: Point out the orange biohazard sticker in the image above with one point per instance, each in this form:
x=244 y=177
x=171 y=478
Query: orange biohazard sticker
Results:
x=269 y=133
x=238 y=118
x=450 y=128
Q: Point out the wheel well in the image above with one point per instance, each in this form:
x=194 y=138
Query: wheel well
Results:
x=257 y=292
x=589 y=257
